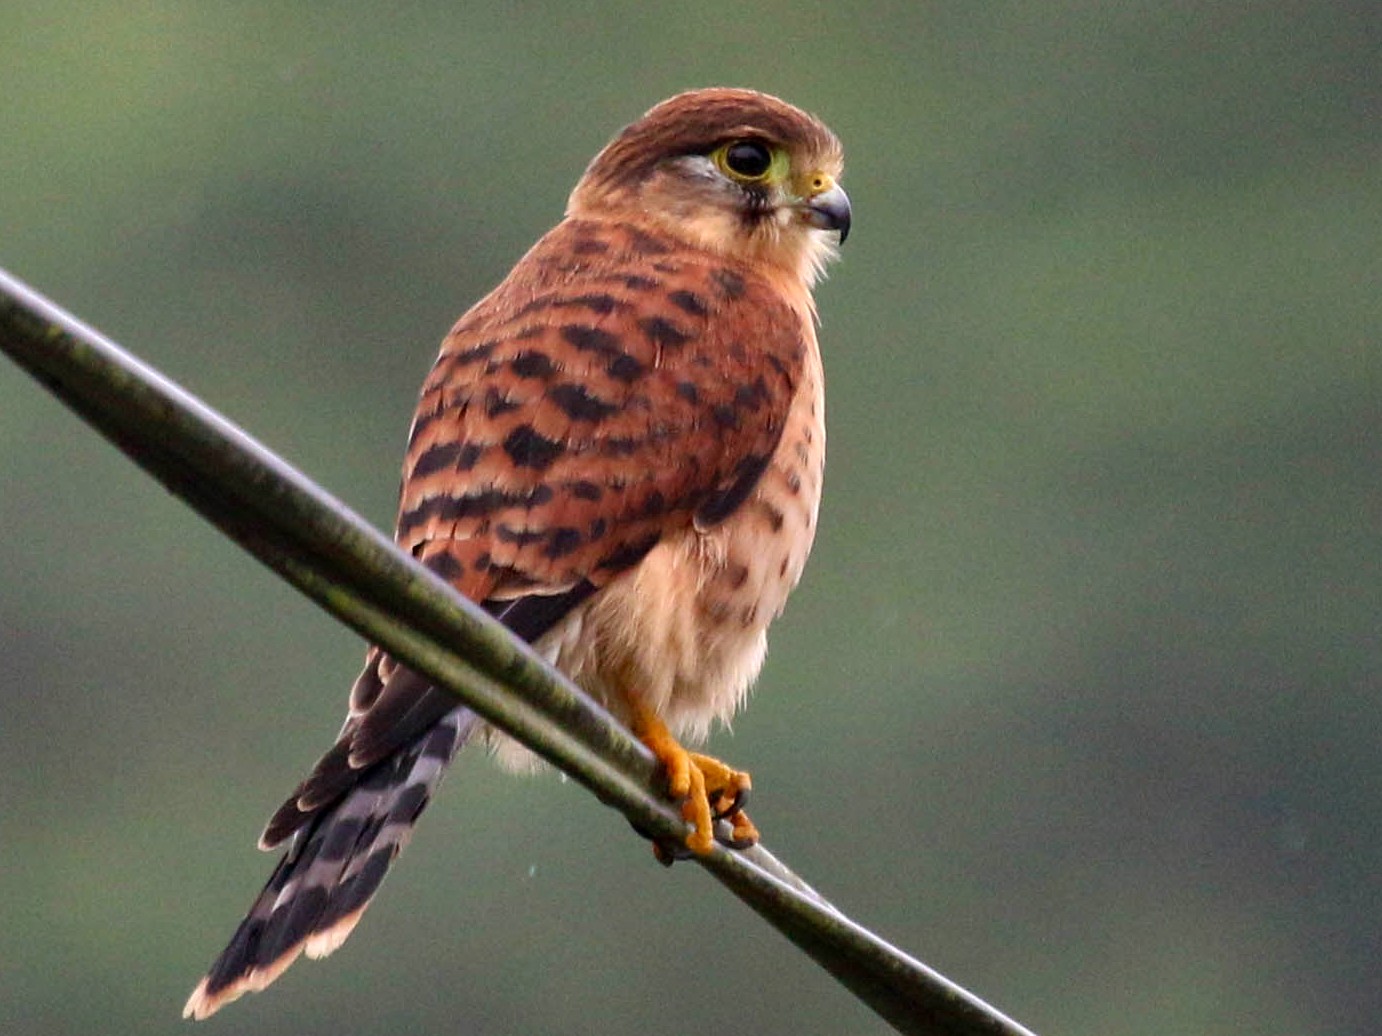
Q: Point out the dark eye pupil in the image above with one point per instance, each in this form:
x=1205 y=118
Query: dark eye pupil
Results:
x=748 y=158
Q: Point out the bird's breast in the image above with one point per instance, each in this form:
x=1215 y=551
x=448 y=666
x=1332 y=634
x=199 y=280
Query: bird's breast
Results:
x=686 y=629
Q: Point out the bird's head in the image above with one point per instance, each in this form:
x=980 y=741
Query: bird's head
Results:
x=735 y=171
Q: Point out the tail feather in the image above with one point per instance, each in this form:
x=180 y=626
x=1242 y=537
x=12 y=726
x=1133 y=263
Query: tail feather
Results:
x=402 y=707
x=332 y=868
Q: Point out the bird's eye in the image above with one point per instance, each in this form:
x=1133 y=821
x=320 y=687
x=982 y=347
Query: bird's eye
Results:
x=748 y=161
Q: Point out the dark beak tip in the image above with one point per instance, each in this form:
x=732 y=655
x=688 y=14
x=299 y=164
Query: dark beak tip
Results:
x=831 y=211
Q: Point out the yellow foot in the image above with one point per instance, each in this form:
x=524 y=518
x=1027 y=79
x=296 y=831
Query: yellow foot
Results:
x=726 y=788
x=708 y=789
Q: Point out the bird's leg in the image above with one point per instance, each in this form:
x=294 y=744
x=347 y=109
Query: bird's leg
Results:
x=685 y=781
x=707 y=788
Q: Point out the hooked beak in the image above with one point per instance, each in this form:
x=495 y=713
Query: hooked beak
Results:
x=829 y=210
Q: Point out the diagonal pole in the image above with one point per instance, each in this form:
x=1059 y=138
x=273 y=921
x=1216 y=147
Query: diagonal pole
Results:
x=338 y=560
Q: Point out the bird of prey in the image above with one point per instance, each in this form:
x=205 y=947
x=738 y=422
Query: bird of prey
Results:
x=618 y=454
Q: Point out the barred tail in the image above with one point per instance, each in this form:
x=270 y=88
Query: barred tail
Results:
x=332 y=868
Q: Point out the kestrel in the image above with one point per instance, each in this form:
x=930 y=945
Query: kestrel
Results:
x=618 y=454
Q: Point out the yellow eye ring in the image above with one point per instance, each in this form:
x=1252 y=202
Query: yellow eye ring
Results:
x=748 y=161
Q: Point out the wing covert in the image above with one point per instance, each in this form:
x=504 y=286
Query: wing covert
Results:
x=615 y=386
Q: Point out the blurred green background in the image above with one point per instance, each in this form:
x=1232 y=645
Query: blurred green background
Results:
x=1079 y=700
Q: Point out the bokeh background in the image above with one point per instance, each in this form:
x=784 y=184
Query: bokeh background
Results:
x=1079 y=700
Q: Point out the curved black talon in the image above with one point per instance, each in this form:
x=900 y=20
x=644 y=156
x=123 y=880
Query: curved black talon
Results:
x=666 y=851
x=721 y=812
x=724 y=834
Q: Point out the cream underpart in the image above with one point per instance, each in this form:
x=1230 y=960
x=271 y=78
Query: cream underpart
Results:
x=685 y=630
